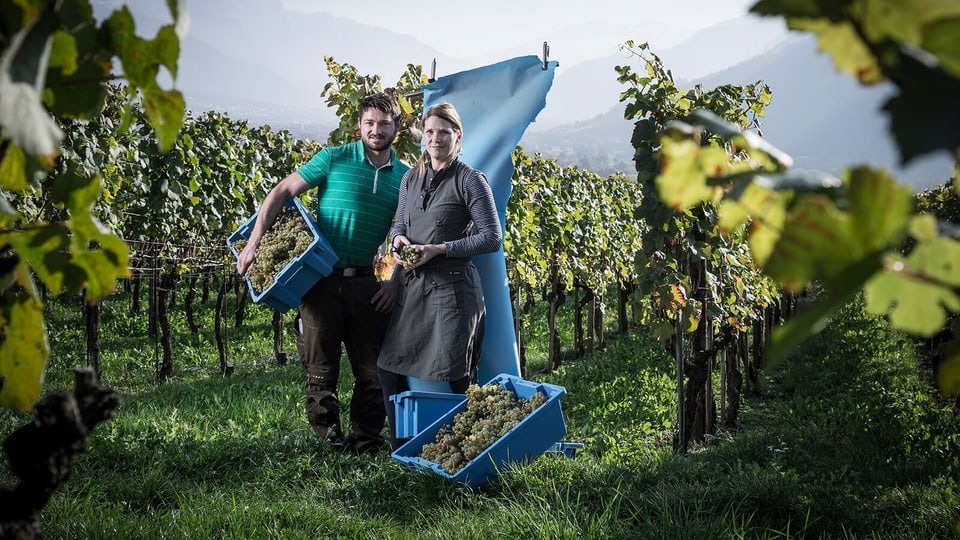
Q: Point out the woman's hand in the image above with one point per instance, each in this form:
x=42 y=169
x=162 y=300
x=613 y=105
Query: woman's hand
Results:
x=428 y=252
x=406 y=253
x=399 y=241
x=415 y=255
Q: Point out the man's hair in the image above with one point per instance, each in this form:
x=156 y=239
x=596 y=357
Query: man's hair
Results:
x=383 y=102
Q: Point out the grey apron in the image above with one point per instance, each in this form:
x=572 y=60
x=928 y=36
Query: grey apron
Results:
x=436 y=327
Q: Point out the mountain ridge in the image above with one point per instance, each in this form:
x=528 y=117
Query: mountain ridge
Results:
x=254 y=60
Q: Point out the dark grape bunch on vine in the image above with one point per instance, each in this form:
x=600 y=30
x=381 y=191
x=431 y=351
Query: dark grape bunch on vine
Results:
x=491 y=412
x=287 y=239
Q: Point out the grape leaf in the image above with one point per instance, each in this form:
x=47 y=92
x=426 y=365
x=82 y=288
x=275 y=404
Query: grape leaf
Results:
x=880 y=208
x=769 y=216
x=914 y=305
x=917 y=127
x=44 y=246
x=23 y=67
x=743 y=139
x=83 y=256
x=102 y=255
x=141 y=60
x=942 y=39
x=812 y=318
x=165 y=110
x=831 y=9
x=24 y=349
x=681 y=183
x=843 y=44
x=916 y=292
x=948 y=372
x=816 y=242
x=819 y=240
x=800 y=180
x=12 y=169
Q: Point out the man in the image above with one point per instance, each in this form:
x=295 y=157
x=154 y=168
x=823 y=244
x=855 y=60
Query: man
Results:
x=358 y=185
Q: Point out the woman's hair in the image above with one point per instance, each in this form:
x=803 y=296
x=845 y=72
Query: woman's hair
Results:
x=443 y=111
x=383 y=102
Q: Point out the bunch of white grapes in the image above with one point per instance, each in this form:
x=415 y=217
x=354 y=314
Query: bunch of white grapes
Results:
x=491 y=412
x=288 y=238
x=409 y=254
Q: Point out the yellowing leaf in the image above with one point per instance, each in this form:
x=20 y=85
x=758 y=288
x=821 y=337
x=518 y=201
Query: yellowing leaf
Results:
x=917 y=292
x=44 y=247
x=815 y=242
x=913 y=305
x=842 y=43
x=13 y=169
x=64 y=53
x=681 y=183
x=768 y=213
x=24 y=350
x=732 y=215
x=679 y=295
x=948 y=372
x=934 y=257
x=923 y=227
x=879 y=209
x=165 y=111
x=102 y=255
x=942 y=39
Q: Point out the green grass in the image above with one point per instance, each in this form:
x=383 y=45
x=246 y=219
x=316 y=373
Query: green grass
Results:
x=846 y=442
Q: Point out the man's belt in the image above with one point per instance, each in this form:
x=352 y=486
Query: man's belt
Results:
x=353 y=271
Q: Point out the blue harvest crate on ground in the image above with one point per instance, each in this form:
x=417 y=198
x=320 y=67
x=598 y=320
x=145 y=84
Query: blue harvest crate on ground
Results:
x=415 y=411
x=533 y=436
x=300 y=274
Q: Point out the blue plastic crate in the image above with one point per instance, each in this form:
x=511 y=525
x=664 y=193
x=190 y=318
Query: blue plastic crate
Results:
x=568 y=449
x=300 y=274
x=416 y=410
x=533 y=436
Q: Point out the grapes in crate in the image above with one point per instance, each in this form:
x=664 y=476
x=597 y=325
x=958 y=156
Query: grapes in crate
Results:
x=288 y=238
x=491 y=412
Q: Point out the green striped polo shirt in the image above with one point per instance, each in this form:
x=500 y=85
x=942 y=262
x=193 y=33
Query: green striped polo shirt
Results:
x=356 y=200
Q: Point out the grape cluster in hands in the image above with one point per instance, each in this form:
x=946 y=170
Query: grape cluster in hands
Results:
x=288 y=238
x=409 y=254
x=491 y=412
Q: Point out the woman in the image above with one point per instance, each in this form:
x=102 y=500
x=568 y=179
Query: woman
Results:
x=445 y=215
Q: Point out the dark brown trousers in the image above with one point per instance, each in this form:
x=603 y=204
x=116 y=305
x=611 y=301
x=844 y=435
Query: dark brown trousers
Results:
x=337 y=312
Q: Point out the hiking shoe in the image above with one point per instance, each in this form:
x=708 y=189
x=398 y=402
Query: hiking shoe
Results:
x=368 y=447
x=332 y=435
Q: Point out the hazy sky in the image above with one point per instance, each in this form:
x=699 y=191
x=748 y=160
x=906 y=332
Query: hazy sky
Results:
x=463 y=29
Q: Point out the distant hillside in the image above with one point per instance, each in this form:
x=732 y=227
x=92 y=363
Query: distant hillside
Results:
x=822 y=118
x=601 y=144
x=590 y=88
x=253 y=59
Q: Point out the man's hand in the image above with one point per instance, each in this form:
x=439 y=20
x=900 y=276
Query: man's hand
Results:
x=246 y=256
x=384 y=298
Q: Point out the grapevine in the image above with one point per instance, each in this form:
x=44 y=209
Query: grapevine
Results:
x=491 y=412
x=287 y=239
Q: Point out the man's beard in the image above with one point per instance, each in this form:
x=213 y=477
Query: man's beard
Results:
x=377 y=146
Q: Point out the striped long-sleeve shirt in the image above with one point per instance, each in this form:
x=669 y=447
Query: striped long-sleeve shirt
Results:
x=478 y=199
